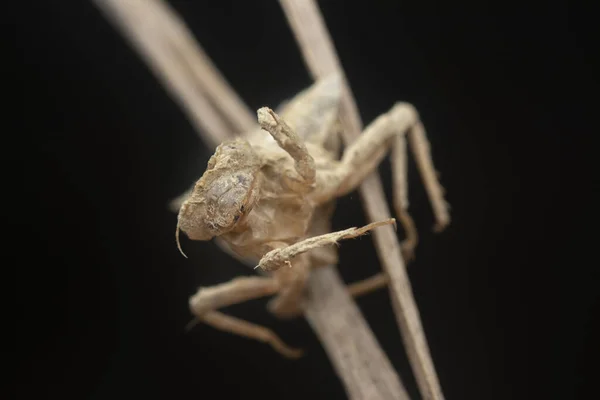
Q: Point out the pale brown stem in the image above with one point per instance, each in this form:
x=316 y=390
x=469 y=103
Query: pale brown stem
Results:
x=354 y=352
x=144 y=27
x=358 y=359
x=204 y=71
x=320 y=56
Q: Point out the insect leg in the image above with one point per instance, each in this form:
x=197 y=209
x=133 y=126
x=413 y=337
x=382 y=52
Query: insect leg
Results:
x=421 y=149
x=289 y=141
x=247 y=329
x=278 y=258
x=235 y=291
x=207 y=300
x=388 y=132
x=368 y=285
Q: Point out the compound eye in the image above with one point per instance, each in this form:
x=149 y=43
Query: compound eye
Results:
x=240 y=214
x=230 y=203
x=244 y=180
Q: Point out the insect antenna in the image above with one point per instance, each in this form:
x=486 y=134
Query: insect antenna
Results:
x=177 y=238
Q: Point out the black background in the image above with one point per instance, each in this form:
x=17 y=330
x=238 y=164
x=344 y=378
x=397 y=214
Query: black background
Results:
x=102 y=291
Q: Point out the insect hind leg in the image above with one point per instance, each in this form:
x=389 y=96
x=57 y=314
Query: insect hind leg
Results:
x=206 y=301
x=250 y=330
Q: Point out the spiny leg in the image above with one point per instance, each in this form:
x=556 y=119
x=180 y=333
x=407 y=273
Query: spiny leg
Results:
x=278 y=258
x=235 y=291
x=287 y=303
x=247 y=329
x=400 y=185
x=420 y=147
x=368 y=285
x=401 y=119
x=366 y=153
x=207 y=300
x=289 y=141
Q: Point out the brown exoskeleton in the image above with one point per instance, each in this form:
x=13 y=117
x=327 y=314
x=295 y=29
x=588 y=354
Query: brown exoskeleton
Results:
x=268 y=199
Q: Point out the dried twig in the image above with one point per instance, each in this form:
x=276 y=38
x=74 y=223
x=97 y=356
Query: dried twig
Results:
x=181 y=67
x=354 y=352
x=357 y=357
x=320 y=56
x=212 y=82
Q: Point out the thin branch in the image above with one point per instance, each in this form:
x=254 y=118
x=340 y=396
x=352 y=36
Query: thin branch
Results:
x=208 y=76
x=361 y=363
x=353 y=349
x=145 y=28
x=319 y=54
